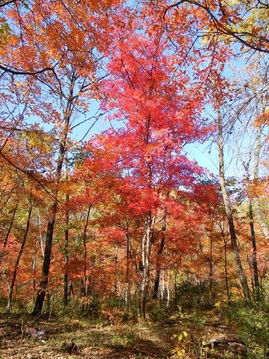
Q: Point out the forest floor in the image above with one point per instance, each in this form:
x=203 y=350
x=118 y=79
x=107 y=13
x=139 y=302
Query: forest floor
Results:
x=201 y=335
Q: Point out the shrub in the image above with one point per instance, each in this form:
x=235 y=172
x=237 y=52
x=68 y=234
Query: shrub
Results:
x=252 y=324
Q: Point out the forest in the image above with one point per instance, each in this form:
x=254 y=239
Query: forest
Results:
x=134 y=196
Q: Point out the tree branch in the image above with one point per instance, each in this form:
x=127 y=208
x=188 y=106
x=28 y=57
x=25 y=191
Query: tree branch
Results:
x=224 y=29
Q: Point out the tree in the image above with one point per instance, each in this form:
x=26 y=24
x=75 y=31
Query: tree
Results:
x=240 y=21
x=160 y=115
x=228 y=211
x=53 y=97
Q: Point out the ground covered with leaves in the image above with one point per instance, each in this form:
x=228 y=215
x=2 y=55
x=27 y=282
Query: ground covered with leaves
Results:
x=192 y=334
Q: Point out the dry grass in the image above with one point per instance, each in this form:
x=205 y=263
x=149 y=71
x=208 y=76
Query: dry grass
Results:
x=121 y=341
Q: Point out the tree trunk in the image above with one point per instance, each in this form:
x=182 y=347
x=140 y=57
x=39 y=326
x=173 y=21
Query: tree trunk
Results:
x=127 y=274
x=145 y=266
x=228 y=211
x=225 y=242
x=167 y=286
x=66 y=254
x=256 y=201
x=11 y=288
x=210 y=263
x=116 y=269
x=46 y=262
x=49 y=235
x=85 y=289
x=54 y=207
x=158 y=262
x=254 y=262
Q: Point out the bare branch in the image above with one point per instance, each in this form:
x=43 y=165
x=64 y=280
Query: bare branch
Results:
x=2 y=4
